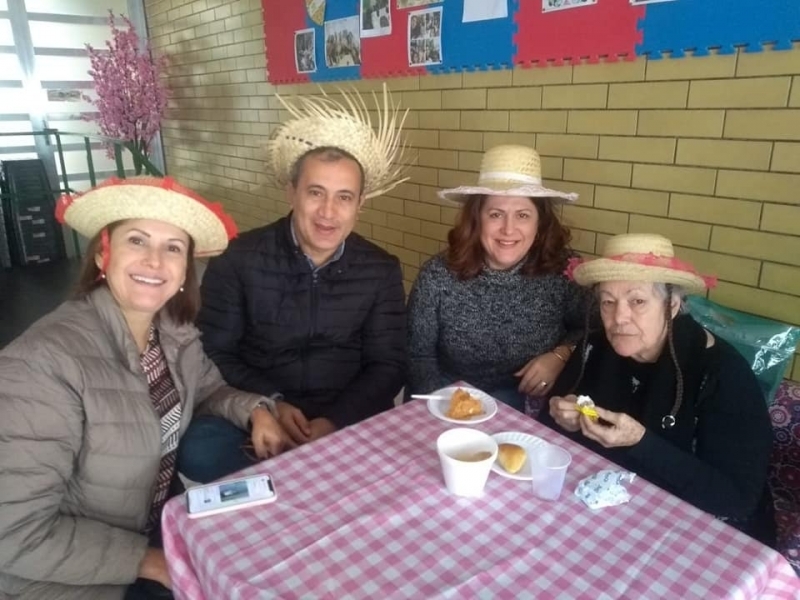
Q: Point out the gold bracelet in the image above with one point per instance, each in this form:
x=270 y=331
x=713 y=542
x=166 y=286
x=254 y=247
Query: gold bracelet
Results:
x=563 y=358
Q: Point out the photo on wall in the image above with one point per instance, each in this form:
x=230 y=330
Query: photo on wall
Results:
x=376 y=18
x=305 y=51
x=425 y=37
x=551 y=5
x=413 y=3
x=342 y=42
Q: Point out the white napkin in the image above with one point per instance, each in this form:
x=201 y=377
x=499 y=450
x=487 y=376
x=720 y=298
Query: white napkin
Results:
x=605 y=488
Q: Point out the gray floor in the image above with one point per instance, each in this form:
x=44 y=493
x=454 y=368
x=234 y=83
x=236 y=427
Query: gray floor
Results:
x=28 y=293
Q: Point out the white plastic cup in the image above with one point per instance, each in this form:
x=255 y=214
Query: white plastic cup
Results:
x=466 y=456
x=549 y=465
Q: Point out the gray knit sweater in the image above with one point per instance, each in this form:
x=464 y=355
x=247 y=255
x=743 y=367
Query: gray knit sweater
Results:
x=485 y=329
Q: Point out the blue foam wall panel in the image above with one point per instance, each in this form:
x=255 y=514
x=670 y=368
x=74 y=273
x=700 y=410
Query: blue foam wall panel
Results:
x=702 y=24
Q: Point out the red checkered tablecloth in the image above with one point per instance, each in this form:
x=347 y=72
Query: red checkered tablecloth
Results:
x=364 y=513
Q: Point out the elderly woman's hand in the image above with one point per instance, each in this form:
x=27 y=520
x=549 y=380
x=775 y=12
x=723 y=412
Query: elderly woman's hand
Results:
x=539 y=374
x=564 y=412
x=620 y=429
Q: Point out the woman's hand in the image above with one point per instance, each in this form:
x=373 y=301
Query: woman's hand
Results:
x=539 y=375
x=321 y=427
x=621 y=429
x=294 y=423
x=269 y=438
x=154 y=567
x=565 y=412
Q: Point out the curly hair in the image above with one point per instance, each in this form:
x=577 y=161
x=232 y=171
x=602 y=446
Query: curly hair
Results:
x=548 y=254
x=182 y=307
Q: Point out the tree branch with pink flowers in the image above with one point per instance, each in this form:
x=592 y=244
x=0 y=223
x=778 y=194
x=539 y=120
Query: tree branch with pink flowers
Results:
x=131 y=97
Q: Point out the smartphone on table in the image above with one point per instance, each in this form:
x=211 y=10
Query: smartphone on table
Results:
x=222 y=496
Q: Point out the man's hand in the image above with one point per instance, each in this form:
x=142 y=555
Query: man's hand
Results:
x=321 y=427
x=154 y=567
x=539 y=374
x=621 y=429
x=269 y=438
x=565 y=412
x=294 y=423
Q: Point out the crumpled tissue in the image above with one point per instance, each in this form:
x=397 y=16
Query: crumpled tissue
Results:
x=606 y=488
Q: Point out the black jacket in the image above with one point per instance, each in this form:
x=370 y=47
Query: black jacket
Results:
x=717 y=454
x=332 y=342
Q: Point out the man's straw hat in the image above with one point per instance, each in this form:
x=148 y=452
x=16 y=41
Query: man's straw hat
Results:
x=157 y=198
x=509 y=170
x=320 y=121
x=639 y=257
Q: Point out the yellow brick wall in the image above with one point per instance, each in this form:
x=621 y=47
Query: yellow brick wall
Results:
x=703 y=150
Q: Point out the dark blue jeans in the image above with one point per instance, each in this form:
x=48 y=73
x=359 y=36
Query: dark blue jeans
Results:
x=211 y=448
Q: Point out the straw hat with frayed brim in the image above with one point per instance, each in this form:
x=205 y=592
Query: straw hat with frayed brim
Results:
x=639 y=257
x=157 y=198
x=508 y=170
x=321 y=121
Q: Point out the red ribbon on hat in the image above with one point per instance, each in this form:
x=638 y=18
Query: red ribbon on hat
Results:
x=165 y=183
x=647 y=260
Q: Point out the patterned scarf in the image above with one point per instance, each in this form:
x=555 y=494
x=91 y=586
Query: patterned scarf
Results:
x=168 y=407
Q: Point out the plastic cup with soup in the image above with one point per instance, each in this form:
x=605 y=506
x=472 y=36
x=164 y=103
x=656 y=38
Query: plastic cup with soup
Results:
x=466 y=456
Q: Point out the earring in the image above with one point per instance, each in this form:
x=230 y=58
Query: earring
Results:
x=102 y=275
x=181 y=289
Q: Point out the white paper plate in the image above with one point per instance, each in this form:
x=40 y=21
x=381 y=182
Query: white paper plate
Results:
x=439 y=408
x=525 y=440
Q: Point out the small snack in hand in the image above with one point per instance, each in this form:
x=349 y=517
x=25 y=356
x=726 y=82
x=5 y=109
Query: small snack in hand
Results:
x=463 y=406
x=511 y=457
x=586 y=407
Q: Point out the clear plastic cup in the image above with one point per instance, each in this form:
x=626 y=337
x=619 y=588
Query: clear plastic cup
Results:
x=466 y=456
x=549 y=465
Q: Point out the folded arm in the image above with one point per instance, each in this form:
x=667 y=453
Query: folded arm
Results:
x=215 y=397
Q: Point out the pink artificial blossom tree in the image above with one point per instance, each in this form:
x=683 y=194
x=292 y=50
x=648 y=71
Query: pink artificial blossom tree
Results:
x=131 y=98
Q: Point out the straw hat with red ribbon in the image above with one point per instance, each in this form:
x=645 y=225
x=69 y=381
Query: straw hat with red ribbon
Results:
x=639 y=257
x=157 y=198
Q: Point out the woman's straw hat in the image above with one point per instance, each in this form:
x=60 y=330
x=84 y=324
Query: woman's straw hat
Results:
x=157 y=198
x=320 y=121
x=509 y=170
x=639 y=257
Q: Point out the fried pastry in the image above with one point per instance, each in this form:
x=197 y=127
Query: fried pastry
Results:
x=463 y=406
x=586 y=407
x=511 y=457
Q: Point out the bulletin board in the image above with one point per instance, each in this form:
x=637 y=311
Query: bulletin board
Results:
x=409 y=37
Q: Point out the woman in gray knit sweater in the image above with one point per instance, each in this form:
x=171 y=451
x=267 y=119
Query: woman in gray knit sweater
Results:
x=495 y=308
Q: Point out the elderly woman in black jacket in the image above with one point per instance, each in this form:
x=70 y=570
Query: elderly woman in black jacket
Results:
x=674 y=404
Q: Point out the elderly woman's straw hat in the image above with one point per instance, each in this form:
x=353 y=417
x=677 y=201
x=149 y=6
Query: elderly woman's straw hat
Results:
x=320 y=121
x=508 y=170
x=639 y=257
x=157 y=198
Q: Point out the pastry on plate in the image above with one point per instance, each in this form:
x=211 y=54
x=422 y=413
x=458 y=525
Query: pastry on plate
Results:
x=511 y=457
x=464 y=406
